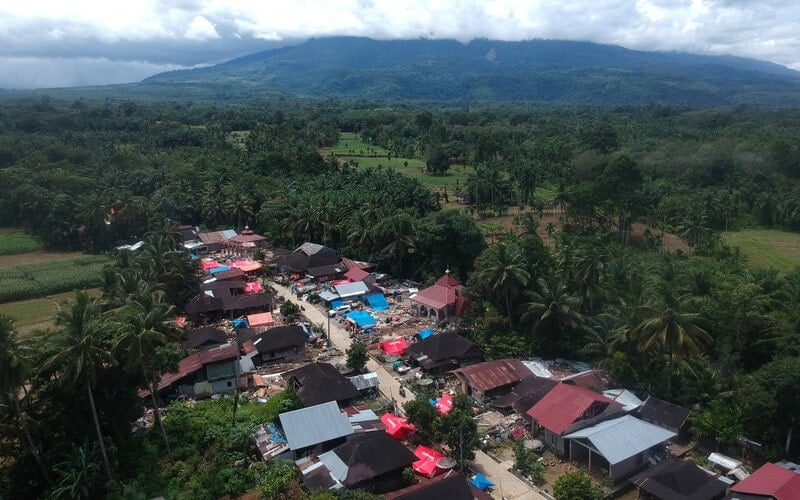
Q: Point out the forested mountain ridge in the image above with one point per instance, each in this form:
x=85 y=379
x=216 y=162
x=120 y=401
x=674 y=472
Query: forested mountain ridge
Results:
x=487 y=71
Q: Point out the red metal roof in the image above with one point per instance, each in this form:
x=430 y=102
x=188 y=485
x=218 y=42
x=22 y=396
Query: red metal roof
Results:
x=773 y=480
x=493 y=374
x=356 y=274
x=564 y=405
x=195 y=362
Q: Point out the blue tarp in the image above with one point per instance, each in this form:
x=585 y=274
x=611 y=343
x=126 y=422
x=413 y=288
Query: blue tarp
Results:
x=336 y=303
x=377 y=302
x=240 y=323
x=219 y=269
x=275 y=435
x=481 y=482
x=424 y=334
x=362 y=318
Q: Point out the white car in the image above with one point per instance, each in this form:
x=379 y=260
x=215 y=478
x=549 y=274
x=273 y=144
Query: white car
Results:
x=339 y=310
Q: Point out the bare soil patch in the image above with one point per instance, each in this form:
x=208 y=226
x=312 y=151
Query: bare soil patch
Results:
x=37 y=256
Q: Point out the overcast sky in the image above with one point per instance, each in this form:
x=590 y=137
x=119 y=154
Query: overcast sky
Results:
x=52 y=43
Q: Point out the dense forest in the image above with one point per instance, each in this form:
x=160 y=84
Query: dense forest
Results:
x=699 y=327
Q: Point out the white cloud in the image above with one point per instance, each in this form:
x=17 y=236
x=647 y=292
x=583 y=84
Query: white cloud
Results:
x=178 y=31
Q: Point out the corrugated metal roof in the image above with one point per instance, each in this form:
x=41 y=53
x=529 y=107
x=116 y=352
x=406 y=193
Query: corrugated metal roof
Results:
x=622 y=438
x=351 y=289
x=626 y=398
x=314 y=425
x=493 y=374
x=563 y=405
x=335 y=465
x=365 y=381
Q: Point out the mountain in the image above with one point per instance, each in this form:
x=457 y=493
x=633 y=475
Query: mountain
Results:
x=487 y=71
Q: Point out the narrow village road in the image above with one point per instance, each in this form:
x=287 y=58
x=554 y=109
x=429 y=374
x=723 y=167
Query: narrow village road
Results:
x=507 y=485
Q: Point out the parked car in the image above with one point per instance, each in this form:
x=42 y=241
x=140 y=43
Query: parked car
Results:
x=339 y=310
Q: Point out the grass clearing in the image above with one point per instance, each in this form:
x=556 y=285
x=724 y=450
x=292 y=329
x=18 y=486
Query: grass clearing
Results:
x=767 y=248
x=16 y=241
x=38 y=313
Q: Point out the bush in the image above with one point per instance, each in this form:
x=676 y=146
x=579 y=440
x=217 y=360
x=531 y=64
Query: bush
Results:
x=576 y=485
x=527 y=462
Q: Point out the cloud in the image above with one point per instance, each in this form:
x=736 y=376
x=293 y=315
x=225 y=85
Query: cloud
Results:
x=190 y=32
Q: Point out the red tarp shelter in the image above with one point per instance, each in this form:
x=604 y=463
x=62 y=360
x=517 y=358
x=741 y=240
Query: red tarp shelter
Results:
x=397 y=427
x=426 y=465
x=396 y=346
x=208 y=264
x=445 y=404
x=261 y=319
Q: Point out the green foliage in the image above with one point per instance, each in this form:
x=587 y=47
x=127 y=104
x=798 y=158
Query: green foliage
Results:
x=357 y=357
x=458 y=430
x=526 y=461
x=722 y=422
x=38 y=279
x=275 y=478
x=576 y=485
x=290 y=311
x=14 y=242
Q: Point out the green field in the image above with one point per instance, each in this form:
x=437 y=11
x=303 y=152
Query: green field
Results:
x=350 y=145
x=40 y=279
x=37 y=313
x=767 y=248
x=15 y=241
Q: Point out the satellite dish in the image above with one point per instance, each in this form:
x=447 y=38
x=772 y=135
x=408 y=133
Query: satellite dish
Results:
x=445 y=463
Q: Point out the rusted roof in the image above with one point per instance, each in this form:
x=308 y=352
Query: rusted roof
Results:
x=195 y=362
x=356 y=274
x=233 y=273
x=493 y=374
x=594 y=380
x=356 y=264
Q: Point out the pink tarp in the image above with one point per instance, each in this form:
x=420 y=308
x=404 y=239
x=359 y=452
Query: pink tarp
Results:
x=247 y=265
x=261 y=319
x=445 y=404
x=397 y=427
x=395 y=346
x=253 y=287
x=209 y=264
x=426 y=465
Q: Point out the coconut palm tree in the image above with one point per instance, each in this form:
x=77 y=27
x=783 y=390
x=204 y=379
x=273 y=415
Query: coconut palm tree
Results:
x=143 y=325
x=501 y=270
x=82 y=358
x=670 y=332
x=14 y=367
x=551 y=308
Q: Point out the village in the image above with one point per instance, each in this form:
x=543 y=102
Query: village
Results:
x=267 y=319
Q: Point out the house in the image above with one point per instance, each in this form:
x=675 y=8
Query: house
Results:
x=204 y=373
x=441 y=301
x=594 y=380
x=307 y=256
x=327 y=272
x=204 y=338
x=678 y=480
x=452 y=486
x=356 y=274
x=769 y=481
x=491 y=378
x=626 y=398
x=372 y=461
x=529 y=391
x=441 y=353
x=245 y=243
x=663 y=413
x=280 y=344
x=215 y=240
x=315 y=429
x=317 y=383
x=623 y=445
x=366 y=383
x=565 y=405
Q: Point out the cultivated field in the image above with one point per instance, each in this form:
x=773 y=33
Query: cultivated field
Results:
x=767 y=248
x=37 y=313
x=15 y=241
x=48 y=277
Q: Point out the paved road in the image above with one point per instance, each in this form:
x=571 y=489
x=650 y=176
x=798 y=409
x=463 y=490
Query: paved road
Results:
x=507 y=485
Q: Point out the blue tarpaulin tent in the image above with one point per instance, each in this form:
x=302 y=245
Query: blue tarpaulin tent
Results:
x=219 y=269
x=362 y=318
x=481 y=482
x=239 y=323
x=336 y=303
x=377 y=302
x=424 y=334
